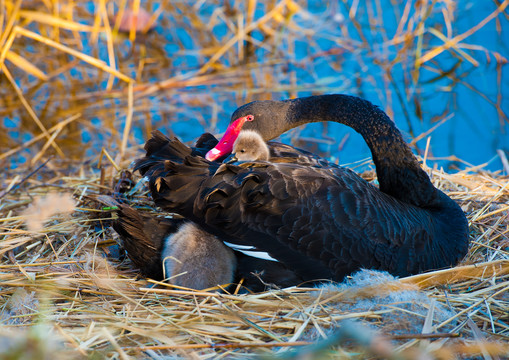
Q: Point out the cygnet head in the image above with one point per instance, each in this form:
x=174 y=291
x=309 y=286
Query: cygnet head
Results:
x=250 y=146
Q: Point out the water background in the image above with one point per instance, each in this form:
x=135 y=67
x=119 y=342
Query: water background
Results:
x=314 y=47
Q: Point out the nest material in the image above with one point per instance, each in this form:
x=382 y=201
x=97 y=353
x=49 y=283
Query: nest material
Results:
x=69 y=278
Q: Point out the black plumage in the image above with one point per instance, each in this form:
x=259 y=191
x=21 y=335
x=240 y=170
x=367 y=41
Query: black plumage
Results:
x=319 y=220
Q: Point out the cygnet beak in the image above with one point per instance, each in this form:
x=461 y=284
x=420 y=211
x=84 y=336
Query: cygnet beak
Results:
x=230 y=159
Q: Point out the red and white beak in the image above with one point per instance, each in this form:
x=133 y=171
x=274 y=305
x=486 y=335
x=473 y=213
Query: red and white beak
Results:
x=225 y=145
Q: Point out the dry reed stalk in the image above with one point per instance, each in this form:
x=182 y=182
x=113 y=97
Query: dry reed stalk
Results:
x=55 y=21
x=7 y=37
x=84 y=57
x=135 y=10
x=271 y=14
x=27 y=66
x=109 y=42
x=454 y=41
x=128 y=121
x=29 y=109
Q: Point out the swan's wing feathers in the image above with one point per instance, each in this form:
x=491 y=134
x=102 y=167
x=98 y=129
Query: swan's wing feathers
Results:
x=158 y=149
x=156 y=143
x=345 y=223
x=286 y=210
x=322 y=222
x=206 y=142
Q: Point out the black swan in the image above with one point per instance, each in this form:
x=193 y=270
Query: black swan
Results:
x=321 y=222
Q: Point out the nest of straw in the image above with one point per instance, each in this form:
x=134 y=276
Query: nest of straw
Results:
x=66 y=286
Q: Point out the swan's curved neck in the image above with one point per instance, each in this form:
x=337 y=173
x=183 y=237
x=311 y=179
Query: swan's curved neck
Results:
x=398 y=171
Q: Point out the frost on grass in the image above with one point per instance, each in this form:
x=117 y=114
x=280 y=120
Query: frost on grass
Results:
x=400 y=308
x=43 y=208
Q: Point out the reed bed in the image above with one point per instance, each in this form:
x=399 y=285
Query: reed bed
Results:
x=65 y=286
x=73 y=83
x=78 y=97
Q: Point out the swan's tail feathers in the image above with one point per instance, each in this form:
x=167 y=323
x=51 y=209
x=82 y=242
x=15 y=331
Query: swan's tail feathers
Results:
x=143 y=237
x=206 y=142
x=158 y=149
x=177 y=185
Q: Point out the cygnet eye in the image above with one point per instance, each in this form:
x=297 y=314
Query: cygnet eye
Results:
x=242 y=151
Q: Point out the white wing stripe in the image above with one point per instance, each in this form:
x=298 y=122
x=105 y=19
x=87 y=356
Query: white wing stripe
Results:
x=250 y=251
x=239 y=247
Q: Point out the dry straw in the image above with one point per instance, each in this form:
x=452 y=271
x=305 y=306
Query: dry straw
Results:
x=67 y=277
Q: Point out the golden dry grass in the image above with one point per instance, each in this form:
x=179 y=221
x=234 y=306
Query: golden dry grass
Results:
x=67 y=278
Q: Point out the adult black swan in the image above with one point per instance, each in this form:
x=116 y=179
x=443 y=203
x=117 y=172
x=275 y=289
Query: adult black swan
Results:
x=322 y=222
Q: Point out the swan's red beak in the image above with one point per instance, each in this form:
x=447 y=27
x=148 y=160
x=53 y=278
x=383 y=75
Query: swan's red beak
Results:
x=225 y=145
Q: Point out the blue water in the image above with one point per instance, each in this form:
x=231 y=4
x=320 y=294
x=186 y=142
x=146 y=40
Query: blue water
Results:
x=322 y=61
x=475 y=129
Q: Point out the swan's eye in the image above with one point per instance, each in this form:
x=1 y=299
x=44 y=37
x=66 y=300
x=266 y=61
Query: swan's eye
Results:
x=225 y=142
